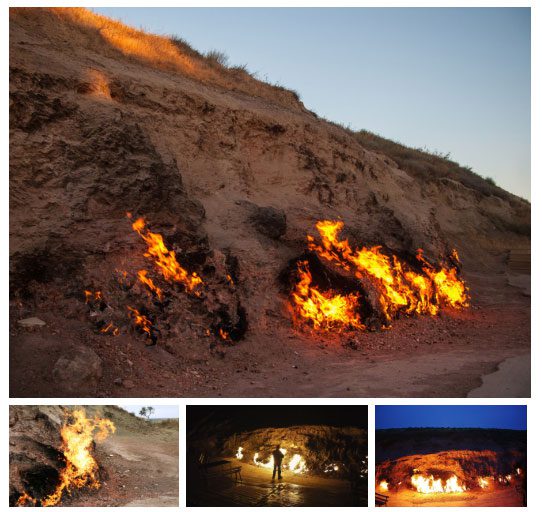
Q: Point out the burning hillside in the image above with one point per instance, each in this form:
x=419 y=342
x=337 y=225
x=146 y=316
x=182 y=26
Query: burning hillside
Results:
x=316 y=463
x=315 y=450
x=78 y=467
x=232 y=273
x=384 y=286
x=74 y=456
x=429 y=475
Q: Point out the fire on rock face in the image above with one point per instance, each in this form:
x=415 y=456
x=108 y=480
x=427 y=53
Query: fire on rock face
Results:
x=304 y=456
x=146 y=296
x=337 y=288
x=81 y=468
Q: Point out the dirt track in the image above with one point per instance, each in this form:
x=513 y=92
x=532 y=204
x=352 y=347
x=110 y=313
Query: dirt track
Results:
x=141 y=471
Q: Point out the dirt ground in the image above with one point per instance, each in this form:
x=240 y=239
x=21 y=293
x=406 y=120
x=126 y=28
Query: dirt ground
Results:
x=507 y=497
x=444 y=356
x=141 y=471
x=258 y=489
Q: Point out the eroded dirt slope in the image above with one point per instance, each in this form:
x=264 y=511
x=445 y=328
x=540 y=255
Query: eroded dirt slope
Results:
x=233 y=173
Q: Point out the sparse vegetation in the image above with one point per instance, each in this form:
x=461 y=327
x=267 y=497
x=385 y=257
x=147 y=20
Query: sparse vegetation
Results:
x=217 y=59
x=172 y=423
x=490 y=180
x=171 y=53
x=185 y=47
x=431 y=166
x=146 y=412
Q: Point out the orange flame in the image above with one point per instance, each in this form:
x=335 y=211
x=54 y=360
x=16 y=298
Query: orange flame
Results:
x=141 y=321
x=91 y=297
x=400 y=289
x=122 y=278
x=142 y=276
x=326 y=311
x=483 y=482
x=24 y=499
x=223 y=334
x=165 y=259
x=110 y=329
x=78 y=434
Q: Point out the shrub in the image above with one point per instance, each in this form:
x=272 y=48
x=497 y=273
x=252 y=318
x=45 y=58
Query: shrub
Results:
x=217 y=58
x=490 y=180
x=185 y=47
x=430 y=165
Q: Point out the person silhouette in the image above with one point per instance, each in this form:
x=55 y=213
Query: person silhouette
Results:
x=277 y=462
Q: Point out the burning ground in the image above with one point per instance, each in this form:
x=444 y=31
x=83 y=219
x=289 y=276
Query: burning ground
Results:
x=323 y=465
x=91 y=456
x=178 y=228
x=451 y=467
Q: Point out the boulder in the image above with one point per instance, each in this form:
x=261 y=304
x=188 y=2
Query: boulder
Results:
x=79 y=370
x=269 y=221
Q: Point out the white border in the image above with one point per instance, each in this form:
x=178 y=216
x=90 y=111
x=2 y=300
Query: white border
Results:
x=534 y=420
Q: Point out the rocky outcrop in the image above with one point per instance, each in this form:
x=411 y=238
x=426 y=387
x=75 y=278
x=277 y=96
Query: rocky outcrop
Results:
x=35 y=458
x=444 y=452
x=322 y=447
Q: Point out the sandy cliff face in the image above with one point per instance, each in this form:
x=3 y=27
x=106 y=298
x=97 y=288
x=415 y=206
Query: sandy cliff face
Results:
x=35 y=449
x=97 y=132
x=106 y=121
x=324 y=450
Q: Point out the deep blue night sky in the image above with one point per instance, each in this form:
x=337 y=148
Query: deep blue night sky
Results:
x=459 y=416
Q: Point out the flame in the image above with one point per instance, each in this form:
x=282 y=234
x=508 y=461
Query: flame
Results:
x=24 y=499
x=111 y=329
x=455 y=256
x=165 y=259
x=223 y=334
x=384 y=486
x=92 y=297
x=400 y=288
x=297 y=464
x=122 y=279
x=147 y=281
x=483 y=482
x=141 y=321
x=258 y=462
x=78 y=434
x=239 y=453
x=326 y=311
x=430 y=484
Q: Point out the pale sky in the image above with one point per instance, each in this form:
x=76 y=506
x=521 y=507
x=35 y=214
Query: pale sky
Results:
x=455 y=80
x=160 y=411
